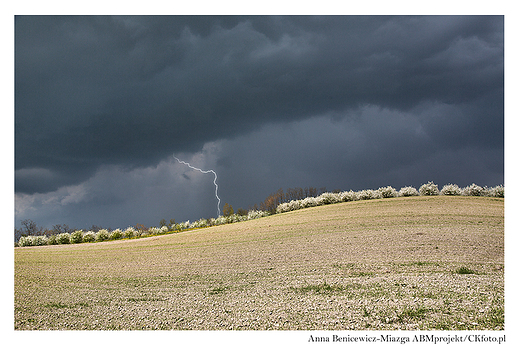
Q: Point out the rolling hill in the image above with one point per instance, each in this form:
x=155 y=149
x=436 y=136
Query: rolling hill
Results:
x=428 y=262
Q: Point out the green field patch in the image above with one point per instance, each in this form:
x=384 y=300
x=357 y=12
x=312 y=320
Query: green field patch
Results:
x=218 y=290
x=418 y=264
x=325 y=288
x=465 y=271
x=413 y=313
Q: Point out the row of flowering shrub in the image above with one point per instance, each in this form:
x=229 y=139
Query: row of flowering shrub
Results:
x=81 y=236
x=222 y=220
x=428 y=189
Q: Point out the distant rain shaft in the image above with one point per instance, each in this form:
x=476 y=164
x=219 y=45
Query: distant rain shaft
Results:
x=205 y=172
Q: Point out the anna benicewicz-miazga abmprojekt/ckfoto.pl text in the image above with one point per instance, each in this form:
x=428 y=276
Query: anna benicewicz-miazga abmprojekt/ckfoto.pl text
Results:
x=418 y=338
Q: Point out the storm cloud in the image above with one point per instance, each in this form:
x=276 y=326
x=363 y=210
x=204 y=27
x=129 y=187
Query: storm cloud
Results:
x=102 y=103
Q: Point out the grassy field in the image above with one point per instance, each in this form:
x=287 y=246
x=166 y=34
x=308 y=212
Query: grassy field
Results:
x=400 y=263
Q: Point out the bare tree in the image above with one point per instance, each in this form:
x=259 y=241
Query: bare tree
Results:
x=29 y=227
x=57 y=229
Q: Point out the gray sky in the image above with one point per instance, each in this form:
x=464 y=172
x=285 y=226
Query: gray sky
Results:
x=102 y=105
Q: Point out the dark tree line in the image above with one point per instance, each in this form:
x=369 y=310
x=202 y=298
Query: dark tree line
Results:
x=279 y=197
x=29 y=227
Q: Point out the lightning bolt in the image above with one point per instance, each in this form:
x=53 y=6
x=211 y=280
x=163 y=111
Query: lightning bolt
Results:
x=205 y=172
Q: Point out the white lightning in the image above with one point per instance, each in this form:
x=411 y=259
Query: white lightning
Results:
x=205 y=172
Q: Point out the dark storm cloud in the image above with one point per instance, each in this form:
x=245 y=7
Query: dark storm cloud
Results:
x=102 y=103
x=91 y=91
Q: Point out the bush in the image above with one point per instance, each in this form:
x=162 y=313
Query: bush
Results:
x=329 y=198
x=130 y=232
x=348 y=196
x=369 y=194
x=451 y=190
x=76 y=237
x=63 y=238
x=221 y=220
x=429 y=189
x=387 y=192
x=230 y=219
x=116 y=234
x=89 y=237
x=408 y=191
x=102 y=235
x=309 y=202
x=52 y=240
x=283 y=208
x=158 y=230
x=144 y=232
x=473 y=190
x=295 y=205
x=153 y=230
x=256 y=214
x=497 y=191
x=186 y=224
x=204 y=223
x=41 y=240
x=26 y=241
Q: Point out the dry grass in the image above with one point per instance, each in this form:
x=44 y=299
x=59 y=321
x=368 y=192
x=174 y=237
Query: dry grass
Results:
x=377 y=264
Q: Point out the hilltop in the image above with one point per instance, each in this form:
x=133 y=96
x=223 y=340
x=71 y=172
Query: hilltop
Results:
x=426 y=262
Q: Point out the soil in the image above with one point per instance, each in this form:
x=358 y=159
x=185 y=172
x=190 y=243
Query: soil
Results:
x=379 y=264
